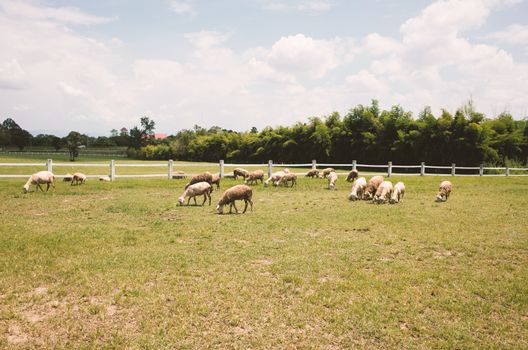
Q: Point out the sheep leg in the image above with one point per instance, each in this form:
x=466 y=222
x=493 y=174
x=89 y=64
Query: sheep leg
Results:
x=209 y=196
x=236 y=209
x=47 y=186
x=188 y=200
x=205 y=198
x=38 y=186
x=195 y=200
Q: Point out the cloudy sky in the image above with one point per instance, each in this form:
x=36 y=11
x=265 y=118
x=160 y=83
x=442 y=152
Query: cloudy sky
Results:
x=96 y=65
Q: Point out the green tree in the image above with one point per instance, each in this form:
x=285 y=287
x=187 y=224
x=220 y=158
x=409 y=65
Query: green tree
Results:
x=73 y=141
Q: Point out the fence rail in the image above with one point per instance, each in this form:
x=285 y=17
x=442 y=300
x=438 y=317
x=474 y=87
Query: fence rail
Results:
x=423 y=169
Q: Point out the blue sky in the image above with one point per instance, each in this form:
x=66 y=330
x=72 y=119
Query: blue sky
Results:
x=93 y=66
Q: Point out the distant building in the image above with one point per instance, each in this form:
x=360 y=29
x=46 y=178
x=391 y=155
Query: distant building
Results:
x=160 y=136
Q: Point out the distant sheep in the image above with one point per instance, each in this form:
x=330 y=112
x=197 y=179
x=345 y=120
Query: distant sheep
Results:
x=197 y=189
x=358 y=187
x=216 y=180
x=326 y=172
x=397 y=193
x=238 y=192
x=354 y=174
x=42 y=177
x=288 y=177
x=254 y=176
x=203 y=177
x=332 y=179
x=384 y=192
x=78 y=179
x=104 y=178
x=372 y=186
x=313 y=173
x=67 y=178
x=444 y=191
x=275 y=177
x=240 y=172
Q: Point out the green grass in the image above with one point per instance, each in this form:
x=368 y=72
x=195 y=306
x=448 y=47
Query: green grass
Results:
x=120 y=265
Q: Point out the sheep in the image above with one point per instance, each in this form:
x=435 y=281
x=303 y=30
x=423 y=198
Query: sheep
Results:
x=372 y=186
x=332 y=179
x=104 y=178
x=67 y=177
x=216 y=180
x=238 y=192
x=383 y=193
x=352 y=175
x=275 y=177
x=240 y=172
x=197 y=189
x=358 y=187
x=78 y=177
x=444 y=191
x=203 y=177
x=254 y=176
x=288 y=177
x=42 y=177
x=397 y=193
x=326 y=172
x=313 y=173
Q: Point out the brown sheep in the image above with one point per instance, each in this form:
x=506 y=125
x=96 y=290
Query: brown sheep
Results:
x=240 y=172
x=372 y=186
x=216 y=180
x=354 y=174
x=238 y=192
x=254 y=176
x=444 y=191
x=326 y=172
x=313 y=173
x=288 y=177
x=203 y=177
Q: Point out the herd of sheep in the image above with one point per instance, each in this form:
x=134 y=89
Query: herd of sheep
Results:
x=377 y=189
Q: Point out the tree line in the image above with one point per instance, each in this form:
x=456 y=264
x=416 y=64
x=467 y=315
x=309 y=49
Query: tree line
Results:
x=365 y=133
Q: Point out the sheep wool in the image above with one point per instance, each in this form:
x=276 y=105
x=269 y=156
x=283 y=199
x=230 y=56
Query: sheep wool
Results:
x=238 y=192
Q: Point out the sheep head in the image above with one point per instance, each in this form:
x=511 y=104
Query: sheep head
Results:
x=26 y=188
x=220 y=208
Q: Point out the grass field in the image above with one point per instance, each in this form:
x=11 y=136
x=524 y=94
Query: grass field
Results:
x=120 y=265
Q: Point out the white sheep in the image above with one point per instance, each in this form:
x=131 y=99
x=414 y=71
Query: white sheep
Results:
x=197 y=189
x=254 y=176
x=444 y=191
x=384 y=192
x=78 y=178
x=372 y=186
x=275 y=177
x=325 y=172
x=42 y=177
x=397 y=193
x=332 y=179
x=358 y=187
x=238 y=192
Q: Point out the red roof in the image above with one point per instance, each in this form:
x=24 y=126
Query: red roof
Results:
x=160 y=136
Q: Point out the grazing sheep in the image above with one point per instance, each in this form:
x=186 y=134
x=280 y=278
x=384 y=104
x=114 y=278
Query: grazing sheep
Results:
x=197 y=189
x=216 y=180
x=358 y=187
x=104 y=178
x=254 y=176
x=372 y=186
x=203 y=177
x=326 y=172
x=238 y=192
x=332 y=179
x=42 y=177
x=288 y=177
x=383 y=193
x=240 y=172
x=78 y=178
x=275 y=177
x=313 y=173
x=352 y=175
x=397 y=193
x=444 y=191
x=67 y=178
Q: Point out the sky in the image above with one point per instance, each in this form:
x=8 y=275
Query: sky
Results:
x=93 y=66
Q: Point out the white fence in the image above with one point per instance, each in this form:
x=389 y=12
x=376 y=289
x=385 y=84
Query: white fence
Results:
x=386 y=169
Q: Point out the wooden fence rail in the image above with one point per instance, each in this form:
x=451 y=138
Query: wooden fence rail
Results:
x=389 y=169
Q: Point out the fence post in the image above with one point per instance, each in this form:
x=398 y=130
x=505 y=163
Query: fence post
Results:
x=453 y=169
x=314 y=164
x=112 y=170
x=422 y=169
x=221 y=168
x=49 y=165
x=270 y=168
x=354 y=164
x=389 y=169
x=507 y=171
x=170 y=168
x=481 y=170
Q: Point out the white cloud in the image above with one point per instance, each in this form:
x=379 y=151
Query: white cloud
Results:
x=311 y=6
x=12 y=76
x=70 y=90
x=206 y=39
x=182 y=7
x=377 y=45
x=515 y=34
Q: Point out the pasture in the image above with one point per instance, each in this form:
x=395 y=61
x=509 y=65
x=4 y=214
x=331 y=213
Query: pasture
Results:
x=120 y=265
